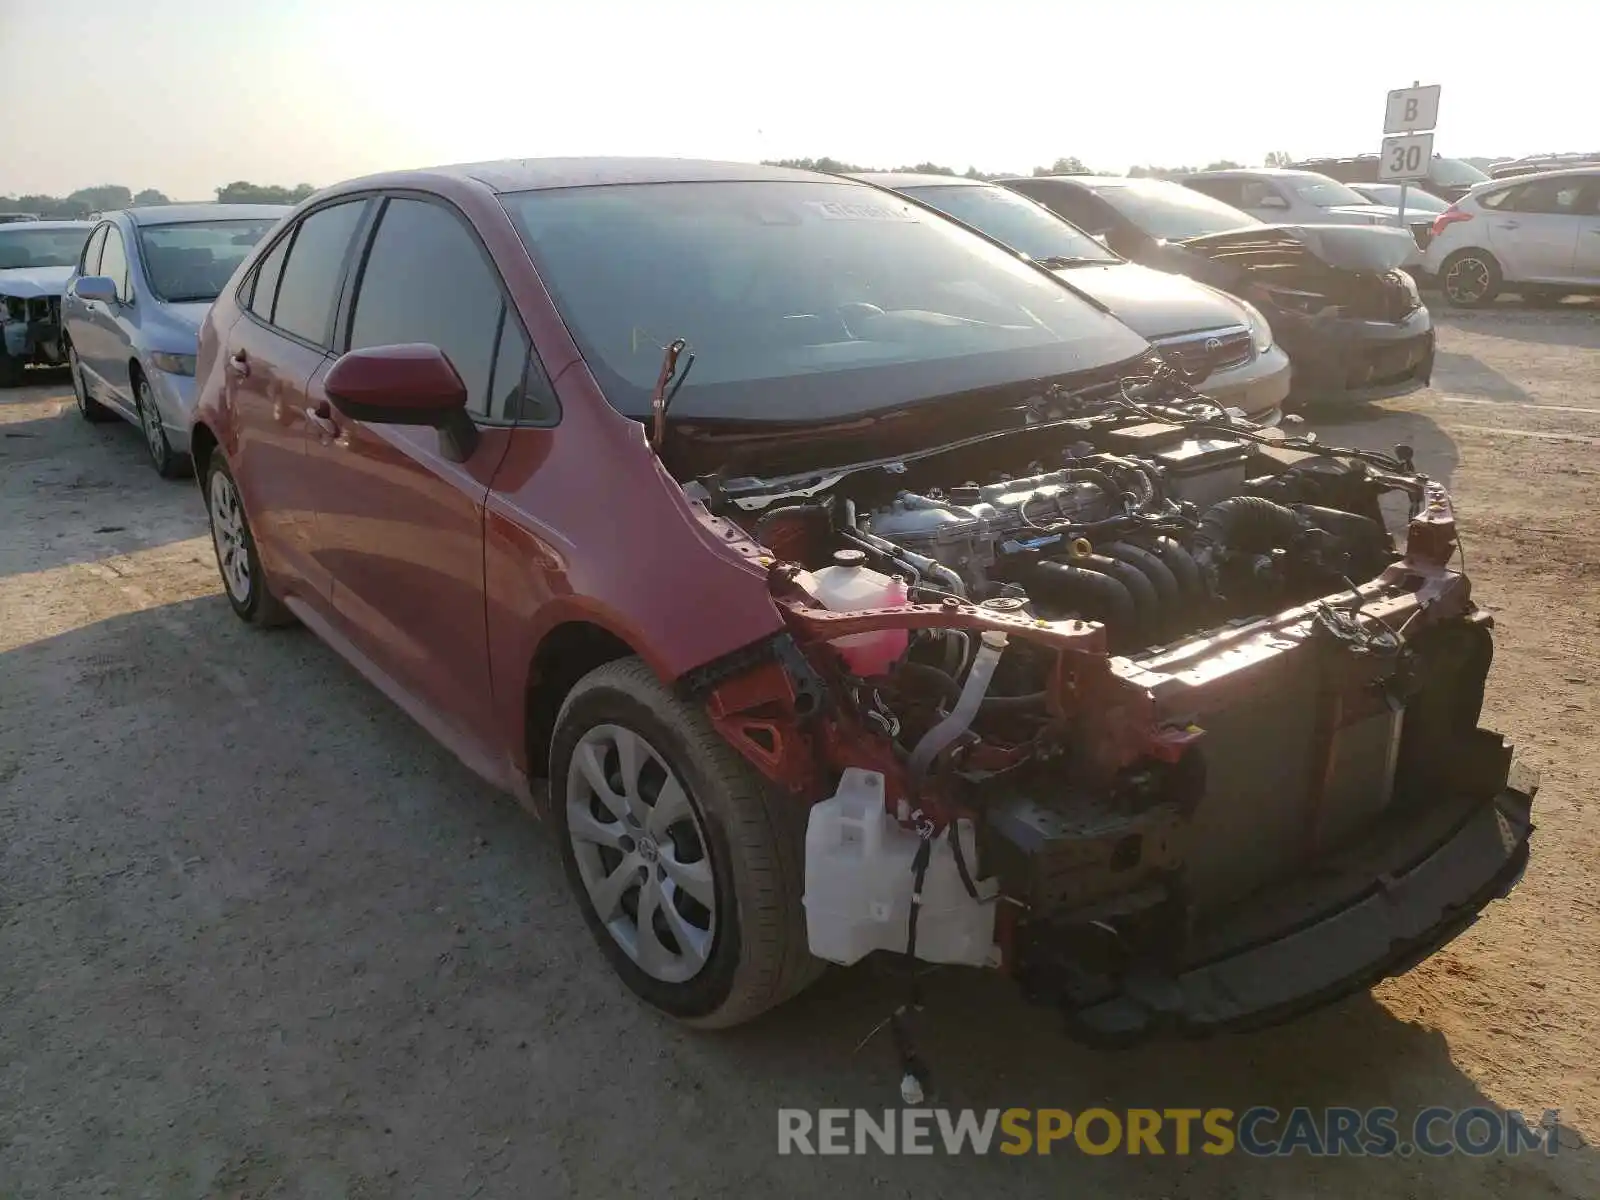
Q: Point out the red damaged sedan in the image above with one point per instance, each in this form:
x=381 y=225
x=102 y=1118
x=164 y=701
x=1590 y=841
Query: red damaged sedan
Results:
x=857 y=587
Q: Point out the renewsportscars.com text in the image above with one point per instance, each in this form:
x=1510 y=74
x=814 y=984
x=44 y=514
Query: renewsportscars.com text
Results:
x=1260 y=1132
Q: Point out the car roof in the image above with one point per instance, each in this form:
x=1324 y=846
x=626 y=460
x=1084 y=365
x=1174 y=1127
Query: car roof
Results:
x=37 y=225
x=179 y=214
x=1091 y=183
x=1255 y=173
x=1591 y=169
x=538 y=174
x=1075 y=180
x=899 y=179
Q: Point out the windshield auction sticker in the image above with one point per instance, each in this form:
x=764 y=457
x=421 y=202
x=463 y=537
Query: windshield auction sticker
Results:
x=1255 y=1132
x=856 y=210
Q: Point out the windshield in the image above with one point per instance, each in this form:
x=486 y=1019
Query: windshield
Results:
x=1452 y=172
x=800 y=301
x=1323 y=192
x=1417 y=200
x=193 y=262
x=1016 y=221
x=1171 y=211
x=23 y=247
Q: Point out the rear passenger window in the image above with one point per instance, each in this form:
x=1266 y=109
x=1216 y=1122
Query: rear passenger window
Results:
x=90 y=263
x=265 y=288
x=1555 y=197
x=427 y=280
x=311 y=278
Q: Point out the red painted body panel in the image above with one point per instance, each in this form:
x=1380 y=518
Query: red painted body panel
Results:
x=584 y=524
x=439 y=580
x=263 y=380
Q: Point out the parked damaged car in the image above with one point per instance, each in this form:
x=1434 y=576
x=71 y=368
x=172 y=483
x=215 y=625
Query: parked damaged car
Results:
x=1223 y=344
x=857 y=587
x=1351 y=320
x=36 y=257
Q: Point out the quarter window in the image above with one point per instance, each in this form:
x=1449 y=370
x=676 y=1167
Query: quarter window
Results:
x=114 y=262
x=315 y=269
x=426 y=280
x=264 y=291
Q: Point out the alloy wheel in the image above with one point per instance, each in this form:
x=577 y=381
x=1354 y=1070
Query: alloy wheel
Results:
x=227 y=531
x=150 y=422
x=642 y=853
x=1467 y=280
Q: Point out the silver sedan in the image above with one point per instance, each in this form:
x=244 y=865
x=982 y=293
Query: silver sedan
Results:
x=133 y=307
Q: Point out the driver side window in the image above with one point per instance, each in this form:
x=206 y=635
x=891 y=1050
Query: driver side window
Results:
x=1258 y=193
x=114 y=262
x=90 y=263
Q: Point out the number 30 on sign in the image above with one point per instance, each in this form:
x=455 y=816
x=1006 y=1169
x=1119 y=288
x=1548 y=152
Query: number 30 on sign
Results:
x=1405 y=157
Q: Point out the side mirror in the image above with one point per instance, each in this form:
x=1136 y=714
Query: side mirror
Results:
x=95 y=287
x=412 y=384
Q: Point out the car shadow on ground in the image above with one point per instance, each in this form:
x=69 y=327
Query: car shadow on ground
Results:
x=307 y=947
x=1573 y=323
x=1470 y=376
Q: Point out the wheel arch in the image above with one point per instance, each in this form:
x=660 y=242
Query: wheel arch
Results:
x=202 y=441
x=565 y=654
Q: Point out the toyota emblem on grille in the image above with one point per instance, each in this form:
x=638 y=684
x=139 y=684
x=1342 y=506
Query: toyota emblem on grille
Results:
x=1213 y=345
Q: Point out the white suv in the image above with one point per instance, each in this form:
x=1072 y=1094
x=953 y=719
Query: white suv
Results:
x=1537 y=235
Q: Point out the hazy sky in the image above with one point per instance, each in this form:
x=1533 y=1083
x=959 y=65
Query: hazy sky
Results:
x=184 y=95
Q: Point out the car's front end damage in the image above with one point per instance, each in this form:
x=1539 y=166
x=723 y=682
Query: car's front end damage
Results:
x=30 y=317
x=1351 y=320
x=1143 y=704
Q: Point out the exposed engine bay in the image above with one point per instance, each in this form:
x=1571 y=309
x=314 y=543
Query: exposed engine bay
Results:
x=1210 y=728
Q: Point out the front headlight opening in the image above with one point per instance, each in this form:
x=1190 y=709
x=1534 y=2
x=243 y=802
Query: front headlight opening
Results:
x=1260 y=331
x=173 y=364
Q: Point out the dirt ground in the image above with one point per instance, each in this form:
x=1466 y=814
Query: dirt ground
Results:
x=260 y=937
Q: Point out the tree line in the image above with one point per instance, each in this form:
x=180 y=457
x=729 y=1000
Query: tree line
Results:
x=108 y=196
x=1066 y=165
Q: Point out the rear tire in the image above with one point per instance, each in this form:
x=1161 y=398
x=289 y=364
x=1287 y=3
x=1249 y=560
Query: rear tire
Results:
x=629 y=762
x=243 y=580
x=89 y=408
x=1470 y=278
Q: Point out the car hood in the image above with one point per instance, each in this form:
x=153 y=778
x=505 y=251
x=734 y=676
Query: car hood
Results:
x=28 y=282
x=187 y=317
x=1374 y=248
x=1155 y=304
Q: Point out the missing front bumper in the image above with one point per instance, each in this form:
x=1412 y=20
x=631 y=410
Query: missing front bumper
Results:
x=1375 y=910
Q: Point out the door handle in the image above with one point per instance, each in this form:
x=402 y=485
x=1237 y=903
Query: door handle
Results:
x=321 y=419
x=1508 y=224
x=239 y=364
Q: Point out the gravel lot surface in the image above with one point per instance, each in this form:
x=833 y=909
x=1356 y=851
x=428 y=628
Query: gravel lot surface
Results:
x=260 y=937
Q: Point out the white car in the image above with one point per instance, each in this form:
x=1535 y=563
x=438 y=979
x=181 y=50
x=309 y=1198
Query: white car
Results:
x=1284 y=197
x=1536 y=235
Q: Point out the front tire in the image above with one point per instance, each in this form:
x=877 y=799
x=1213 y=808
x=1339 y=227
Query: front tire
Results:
x=169 y=464
x=687 y=864
x=1470 y=278
x=243 y=580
